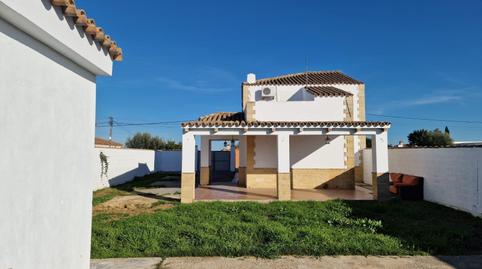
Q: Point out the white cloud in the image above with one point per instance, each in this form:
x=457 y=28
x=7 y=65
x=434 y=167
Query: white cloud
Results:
x=446 y=96
x=195 y=87
x=437 y=99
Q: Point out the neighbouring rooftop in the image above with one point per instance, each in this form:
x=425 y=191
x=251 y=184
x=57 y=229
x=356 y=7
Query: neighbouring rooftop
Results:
x=100 y=142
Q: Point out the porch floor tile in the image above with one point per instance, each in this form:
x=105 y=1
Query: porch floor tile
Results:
x=229 y=191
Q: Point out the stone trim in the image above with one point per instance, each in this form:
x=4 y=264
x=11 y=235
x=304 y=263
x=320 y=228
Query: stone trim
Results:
x=283 y=186
x=361 y=139
x=244 y=96
x=261 y=178
x=349 y=140
x=242 y=176
x=321 y=178
x=187 y=187
x=250 y=111
x=205 y=176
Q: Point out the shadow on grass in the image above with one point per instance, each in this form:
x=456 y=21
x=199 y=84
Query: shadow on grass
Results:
x=421 y=225
x=132 y=188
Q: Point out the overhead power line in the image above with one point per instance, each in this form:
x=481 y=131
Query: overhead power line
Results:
x=171 y=124
x=149 y=123
x=425 y=119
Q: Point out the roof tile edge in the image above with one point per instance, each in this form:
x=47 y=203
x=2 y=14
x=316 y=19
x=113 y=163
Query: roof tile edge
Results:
x=89 y=26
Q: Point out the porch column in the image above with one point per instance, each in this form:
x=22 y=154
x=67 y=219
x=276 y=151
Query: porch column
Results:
x=188 y=176
x=205 y=160
x=284 y=171
x=232 y=157
x=380 y=176
x=242 y=160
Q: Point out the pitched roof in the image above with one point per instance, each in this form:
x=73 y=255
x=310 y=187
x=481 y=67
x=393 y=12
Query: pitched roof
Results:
x=308 y=78
x=326 y=91
x=237 y=119
x=90 y=28
x=104 y=142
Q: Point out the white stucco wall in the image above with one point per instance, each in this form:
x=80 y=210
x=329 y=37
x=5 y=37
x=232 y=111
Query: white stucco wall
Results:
x=294 y=98
x=124 y=165
x=452 y=176
x=305 y=152
x=265 y=152
x=321 y=109
x=47 y=119
x=314 y=152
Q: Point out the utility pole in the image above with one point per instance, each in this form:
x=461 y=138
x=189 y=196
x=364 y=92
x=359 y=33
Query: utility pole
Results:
x=111 y=124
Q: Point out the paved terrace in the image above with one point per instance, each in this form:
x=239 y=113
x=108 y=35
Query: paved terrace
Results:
x=392 y=262
x=227 y=191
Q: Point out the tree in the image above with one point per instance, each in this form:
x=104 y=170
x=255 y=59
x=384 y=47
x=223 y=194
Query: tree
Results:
x=425 y=138
x=447 y=131
x=147 y=141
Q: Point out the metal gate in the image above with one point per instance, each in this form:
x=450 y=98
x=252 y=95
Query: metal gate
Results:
x=220 y=166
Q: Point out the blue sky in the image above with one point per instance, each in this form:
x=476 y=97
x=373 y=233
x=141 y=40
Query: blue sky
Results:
x=188 y=58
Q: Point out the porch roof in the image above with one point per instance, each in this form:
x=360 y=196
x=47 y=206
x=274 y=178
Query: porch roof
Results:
x=308 y=78
x=237 y=119
x=326 y=91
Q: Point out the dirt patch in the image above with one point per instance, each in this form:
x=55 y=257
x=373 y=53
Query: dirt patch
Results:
x=131 y=204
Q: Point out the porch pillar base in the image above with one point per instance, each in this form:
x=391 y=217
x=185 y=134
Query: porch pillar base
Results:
x=242 y=176
x=284 y=186
x=187 y=187
x=204 y=176
x=380 y=186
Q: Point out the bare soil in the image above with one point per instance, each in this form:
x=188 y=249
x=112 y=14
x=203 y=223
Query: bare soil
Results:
x=131 y=205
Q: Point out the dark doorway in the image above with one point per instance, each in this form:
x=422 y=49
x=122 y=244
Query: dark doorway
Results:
x=220 y=166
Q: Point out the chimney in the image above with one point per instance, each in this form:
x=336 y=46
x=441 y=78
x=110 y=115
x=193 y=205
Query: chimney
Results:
x=251 y=78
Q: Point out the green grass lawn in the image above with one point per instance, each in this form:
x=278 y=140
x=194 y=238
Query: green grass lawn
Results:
x=288 y=228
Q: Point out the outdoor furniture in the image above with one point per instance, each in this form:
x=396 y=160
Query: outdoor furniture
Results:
x=407 y=187
x=395 y=178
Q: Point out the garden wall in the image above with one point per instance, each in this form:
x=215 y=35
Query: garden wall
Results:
x=125 y=164
x=452 y=176
x=168 y=161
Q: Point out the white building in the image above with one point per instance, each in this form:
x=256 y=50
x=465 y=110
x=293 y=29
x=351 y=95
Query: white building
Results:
x=50 y=56
x=297 y=131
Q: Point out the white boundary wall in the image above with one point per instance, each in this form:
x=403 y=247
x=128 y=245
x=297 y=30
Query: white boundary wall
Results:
x=452 y=176
x=125 y=164
x=168 y=161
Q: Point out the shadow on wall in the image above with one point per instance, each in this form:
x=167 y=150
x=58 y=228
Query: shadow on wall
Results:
x=141 y=170
x=343 y=180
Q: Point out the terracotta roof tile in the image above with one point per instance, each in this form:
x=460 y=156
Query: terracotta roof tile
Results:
x=80 y=19
x=104 y=142
x=237 y=119
x=326 y=91
x=308 y=78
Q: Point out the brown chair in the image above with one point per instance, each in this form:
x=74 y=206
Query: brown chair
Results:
x=394 y=179
x=408 y=187
x=411 y=188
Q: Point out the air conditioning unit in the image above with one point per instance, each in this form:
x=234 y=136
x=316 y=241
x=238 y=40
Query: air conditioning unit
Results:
x=268 y=93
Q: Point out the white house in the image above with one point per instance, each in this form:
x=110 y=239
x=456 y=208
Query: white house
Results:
x=296 y=131
x=50 y=55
